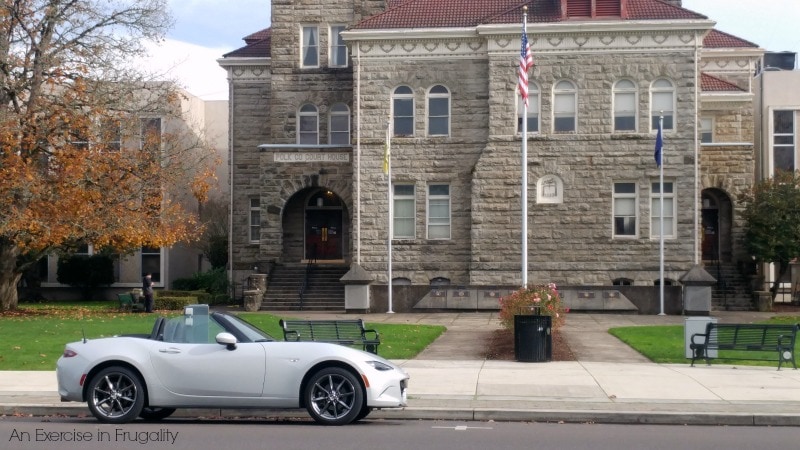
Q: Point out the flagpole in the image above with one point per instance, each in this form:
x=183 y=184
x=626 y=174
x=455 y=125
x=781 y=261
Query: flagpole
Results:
x=524 y=188
x=387 y=161
x=661 y=214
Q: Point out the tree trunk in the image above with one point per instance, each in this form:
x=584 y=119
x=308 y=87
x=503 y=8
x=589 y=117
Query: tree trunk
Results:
x=9 y=276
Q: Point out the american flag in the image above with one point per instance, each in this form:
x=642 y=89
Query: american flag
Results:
x=525 y=63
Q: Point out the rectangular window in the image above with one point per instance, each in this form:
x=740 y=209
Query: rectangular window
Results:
x=625 y=111
x=403 y=116
x=783 y=141
x=151 y=262
x=255 y=220
x=338 y=50
x=439 y=211
x=564 y=112
x=533 y=112
x=150 y=134
x=404 y=212
x=310 y=47
x=669 y=210
x=706 y=130
x=625 y=210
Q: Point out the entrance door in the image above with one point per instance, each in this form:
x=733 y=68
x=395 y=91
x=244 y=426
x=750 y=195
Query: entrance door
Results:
x=710 y=234
x=323 y=234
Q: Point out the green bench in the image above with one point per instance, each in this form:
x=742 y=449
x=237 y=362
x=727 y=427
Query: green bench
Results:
x=344 y=332
x=751 y=341
x=128 y=303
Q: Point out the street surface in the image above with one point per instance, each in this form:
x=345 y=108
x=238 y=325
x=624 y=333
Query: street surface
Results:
x=63 y=433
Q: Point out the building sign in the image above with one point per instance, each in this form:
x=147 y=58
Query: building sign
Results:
x=305 y=157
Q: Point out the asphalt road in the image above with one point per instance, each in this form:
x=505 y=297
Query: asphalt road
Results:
x=86 y=433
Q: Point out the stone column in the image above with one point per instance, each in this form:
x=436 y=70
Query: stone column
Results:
x=356 y=289
x=697 y=291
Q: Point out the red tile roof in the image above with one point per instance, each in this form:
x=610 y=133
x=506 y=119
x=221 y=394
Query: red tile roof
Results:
x=719 y=39
x=709 y=83
x=470 y=13
x=259 y=45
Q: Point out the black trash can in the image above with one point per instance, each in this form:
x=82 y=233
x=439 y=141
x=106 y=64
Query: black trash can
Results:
x=533 y=340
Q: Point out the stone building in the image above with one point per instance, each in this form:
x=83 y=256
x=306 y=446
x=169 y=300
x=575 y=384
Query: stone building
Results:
x=317 y=97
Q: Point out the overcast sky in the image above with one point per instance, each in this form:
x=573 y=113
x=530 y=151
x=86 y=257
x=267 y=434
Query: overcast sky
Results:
x=206 y=29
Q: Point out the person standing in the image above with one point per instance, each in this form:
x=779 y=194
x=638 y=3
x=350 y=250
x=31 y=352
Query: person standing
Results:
x=147 y=290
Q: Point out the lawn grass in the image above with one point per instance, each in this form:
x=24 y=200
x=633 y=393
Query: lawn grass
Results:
x=665 y=343
x=33 y=337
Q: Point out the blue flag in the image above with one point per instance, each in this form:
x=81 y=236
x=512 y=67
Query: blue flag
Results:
x=659 y=145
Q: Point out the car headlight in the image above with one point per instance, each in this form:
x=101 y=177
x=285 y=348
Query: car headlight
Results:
x=377 y=365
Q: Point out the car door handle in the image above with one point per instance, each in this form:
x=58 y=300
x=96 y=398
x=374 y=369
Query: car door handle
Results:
x=171 y=350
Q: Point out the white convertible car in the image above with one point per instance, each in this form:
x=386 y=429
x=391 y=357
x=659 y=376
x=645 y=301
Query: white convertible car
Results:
x=216 y=360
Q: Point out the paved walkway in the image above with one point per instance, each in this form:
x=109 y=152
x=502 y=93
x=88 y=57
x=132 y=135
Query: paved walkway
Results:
x=607 y=383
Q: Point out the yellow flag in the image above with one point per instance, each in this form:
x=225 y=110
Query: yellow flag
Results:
x=386 y=154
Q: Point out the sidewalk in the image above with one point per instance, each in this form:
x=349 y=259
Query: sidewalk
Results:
x=608 y=382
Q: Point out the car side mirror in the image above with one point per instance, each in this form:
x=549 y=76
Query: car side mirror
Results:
x=227 y=339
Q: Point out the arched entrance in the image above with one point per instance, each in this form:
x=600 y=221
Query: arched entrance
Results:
x=716 y=225
x=315 y=227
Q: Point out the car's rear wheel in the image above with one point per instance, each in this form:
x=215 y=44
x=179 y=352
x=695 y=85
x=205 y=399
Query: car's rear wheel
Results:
x=334 y=396
x=115 y=395
x=155 y=413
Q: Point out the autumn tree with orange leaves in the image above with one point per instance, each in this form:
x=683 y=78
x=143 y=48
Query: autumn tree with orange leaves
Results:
x=77 y=163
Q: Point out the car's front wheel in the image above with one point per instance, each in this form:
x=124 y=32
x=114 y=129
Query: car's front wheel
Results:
x=334 y=396
x=154 y=413
x=115 y=395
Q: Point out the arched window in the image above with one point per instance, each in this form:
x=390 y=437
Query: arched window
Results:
x=622 y=282
x=339 y=128
x=662 y=103
x=533 y=109
x=565 y=107
x=438 y=111
x=624 y=106
x=308 y=125
x=403 y=111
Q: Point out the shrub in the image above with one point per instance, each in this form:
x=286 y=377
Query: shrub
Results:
x=534 y=299
x=215 y=281
x=199 y=296
x=173 y=303
x=86 y=272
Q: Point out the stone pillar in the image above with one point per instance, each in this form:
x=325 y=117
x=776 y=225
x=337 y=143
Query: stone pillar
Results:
x=697 y=291
x=254 y=294
x=356 y=289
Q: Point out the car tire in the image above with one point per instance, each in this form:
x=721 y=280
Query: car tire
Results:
x=333 y=396
x=115 y=395
x=155 y=413
x=363 y=414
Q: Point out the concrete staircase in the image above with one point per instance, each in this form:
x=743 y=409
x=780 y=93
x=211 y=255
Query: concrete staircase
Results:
x=732 y=291
x=324 y=292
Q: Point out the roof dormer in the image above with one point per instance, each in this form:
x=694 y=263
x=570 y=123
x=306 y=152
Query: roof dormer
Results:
x=593 y=9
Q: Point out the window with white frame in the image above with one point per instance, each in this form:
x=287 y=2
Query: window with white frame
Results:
x=112 y=134
x=438 y=111
x=255 y=220
x=338 y=50
x=624 y=106
x=669 y=210
x=662 y=103
x=404 y=212
x=403 y=111
x=310 y=47
x=308 y=125
x=339 y=128
x=151 y=262
x=533 y=109
x=439 y=211
x=706 y=130
x=783 y=140
x=565 y=106
x=625 y=210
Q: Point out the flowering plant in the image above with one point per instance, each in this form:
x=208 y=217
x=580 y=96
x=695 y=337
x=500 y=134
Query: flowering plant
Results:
x=534 y=299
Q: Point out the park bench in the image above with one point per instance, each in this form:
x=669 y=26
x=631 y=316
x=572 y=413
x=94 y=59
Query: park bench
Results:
x=752 y=341
x=344 y=332
x=127 y=302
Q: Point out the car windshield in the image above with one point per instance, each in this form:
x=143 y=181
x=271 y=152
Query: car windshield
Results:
x=252 y=333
